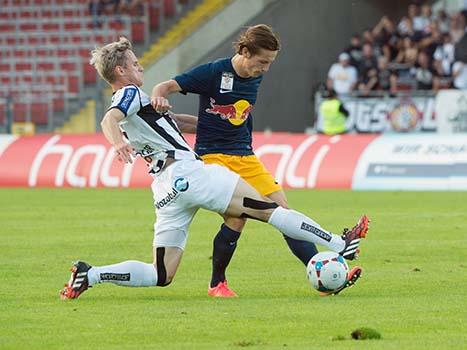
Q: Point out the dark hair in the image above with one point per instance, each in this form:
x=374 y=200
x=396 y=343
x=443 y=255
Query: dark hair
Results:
x=330 y=93
x=257 y=37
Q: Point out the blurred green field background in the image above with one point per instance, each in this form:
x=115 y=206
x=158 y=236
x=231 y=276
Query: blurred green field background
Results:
x=413 y=290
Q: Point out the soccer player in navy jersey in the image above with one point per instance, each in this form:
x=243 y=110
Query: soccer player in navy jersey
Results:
x=227 y=90
x=182 y=183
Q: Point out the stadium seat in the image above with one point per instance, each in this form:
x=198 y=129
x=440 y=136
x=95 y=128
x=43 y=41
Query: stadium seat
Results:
x=58 y=102
x=2 y=111
x=116 y=25
x=40 y=112
x=7 y=27
x=23 y=66
x=74 y=84
x=137 y=32
x=169 y=8
x=90 y=75
x=19 y=53
x=28 y=26
x=20 y=112
x=5 y=80
x=71 y=26
x=45 y=48
x=52 y=27
x=154 y=15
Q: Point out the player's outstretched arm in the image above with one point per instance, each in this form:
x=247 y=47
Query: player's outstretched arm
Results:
x=160 y=92
x=185 y=122
x=113 y=134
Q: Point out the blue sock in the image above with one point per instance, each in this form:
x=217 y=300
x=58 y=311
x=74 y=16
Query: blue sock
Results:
x=303 y=250
x=224 y=246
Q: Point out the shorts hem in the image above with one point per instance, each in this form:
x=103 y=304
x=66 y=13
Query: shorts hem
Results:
x=167 y=245
x=230 y=194
x=268 y=192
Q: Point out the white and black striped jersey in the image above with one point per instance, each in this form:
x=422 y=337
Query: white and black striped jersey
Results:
x=152 y=135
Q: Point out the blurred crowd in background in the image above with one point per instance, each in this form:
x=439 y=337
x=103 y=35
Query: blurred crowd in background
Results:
x=421 y=51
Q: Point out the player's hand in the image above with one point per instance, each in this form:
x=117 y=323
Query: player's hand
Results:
x=160 y=104
x=124 y=152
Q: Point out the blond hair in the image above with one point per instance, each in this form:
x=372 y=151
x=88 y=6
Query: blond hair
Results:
x=107 y=57
x=254 y=38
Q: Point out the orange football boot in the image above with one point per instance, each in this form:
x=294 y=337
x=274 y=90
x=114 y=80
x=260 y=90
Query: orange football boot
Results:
x=221 y=291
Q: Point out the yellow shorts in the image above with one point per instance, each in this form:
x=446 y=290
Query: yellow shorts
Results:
x=249 y=168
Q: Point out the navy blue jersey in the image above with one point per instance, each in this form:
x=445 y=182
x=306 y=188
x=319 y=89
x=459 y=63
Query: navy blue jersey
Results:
x=225 y=103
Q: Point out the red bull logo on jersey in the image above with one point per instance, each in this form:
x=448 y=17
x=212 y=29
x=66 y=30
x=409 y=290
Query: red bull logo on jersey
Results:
x=235 y=113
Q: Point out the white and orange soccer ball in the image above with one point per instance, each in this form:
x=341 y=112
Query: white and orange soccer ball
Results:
x=327 y=271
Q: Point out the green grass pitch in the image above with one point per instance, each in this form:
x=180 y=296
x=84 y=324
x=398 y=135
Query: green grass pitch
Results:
x=413 y=290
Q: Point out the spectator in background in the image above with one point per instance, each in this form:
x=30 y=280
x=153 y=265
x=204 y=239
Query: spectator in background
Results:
x=406 y=25
x=386 y=78
x=342 y=77
x=407 y=30
x=442 y=21
x=97 y=8
x=367 y=82
x=130 y=6
x=417 y=19
x=385 y=36
x=368 y=36
x=458 y=23
x=459 y=73
x=424 y=75
x=407 y=56
x=368 y=61
x=355 y=50
x=334 y=114
x=430 y=43
x=380 y=79
x=444 y=56
x=424 y=20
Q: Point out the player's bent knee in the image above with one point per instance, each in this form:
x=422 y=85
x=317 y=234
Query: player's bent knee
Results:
x=258 y=209
x=164 y=284
x=236 y=224
x=280 y=198
x=166 y=261
x=258 y=204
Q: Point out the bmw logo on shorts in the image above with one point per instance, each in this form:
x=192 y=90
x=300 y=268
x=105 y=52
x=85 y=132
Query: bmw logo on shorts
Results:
x=181 y=184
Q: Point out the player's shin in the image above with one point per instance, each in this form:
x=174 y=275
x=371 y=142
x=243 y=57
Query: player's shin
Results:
x=301 y=227
x=128 y=273
x=303 y=250
x=224 y=245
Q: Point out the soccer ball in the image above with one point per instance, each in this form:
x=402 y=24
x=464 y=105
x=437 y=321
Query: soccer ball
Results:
x=327 y=271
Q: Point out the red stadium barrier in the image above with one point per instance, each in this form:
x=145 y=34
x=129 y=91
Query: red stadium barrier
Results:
x=296 y=160
x=358 y=161
x=311 y=161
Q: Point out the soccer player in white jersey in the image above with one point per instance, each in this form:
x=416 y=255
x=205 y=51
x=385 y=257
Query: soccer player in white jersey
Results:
x=182 y=183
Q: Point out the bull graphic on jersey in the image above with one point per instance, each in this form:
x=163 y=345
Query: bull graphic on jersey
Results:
x=235 y=113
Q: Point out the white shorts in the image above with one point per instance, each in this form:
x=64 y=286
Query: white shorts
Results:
x=180 y=190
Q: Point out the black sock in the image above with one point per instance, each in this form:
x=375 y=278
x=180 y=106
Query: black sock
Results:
x=303 y=250
x=224 y=245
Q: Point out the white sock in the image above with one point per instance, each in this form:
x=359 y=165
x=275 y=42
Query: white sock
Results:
x=128 y=273
x=301 y=227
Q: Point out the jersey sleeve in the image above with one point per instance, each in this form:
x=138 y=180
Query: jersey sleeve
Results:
x=456 y=67
x=197 y=80
x=127 y=100
x=332 y=72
